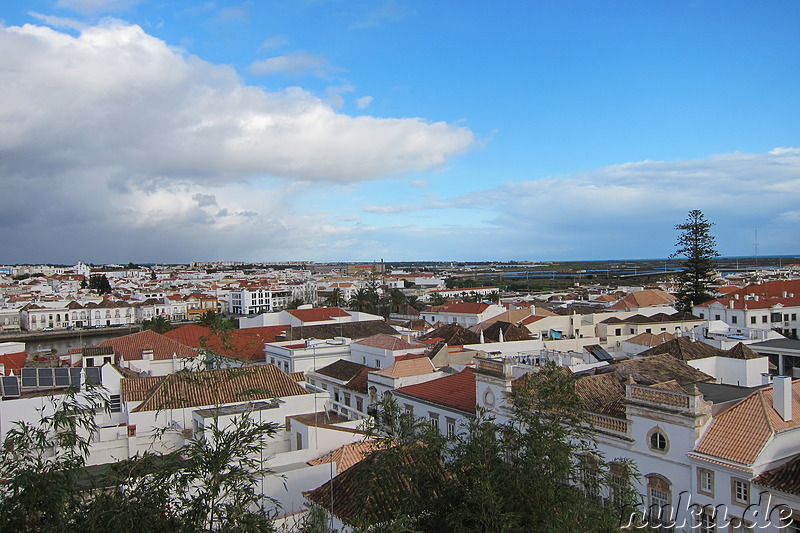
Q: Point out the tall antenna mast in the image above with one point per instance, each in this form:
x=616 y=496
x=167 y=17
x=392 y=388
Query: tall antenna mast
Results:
x=755 y=244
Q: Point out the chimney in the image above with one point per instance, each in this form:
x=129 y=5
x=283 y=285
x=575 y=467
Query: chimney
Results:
x=730 y=304
x=782 y=396
x=783 y=294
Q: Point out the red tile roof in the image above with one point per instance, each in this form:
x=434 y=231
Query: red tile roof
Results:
x=130 y=347
x=464 y=308
x=210 y=387
x=740 y=433
x=13 y=362
x=318 y=314
x=388 y=342
x=456 y=391
x=345 y=456
x=243 y=344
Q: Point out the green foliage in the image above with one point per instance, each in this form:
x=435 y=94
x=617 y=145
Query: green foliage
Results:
x=100 y=284
x=698 y=246
x=360 y=301
x=159 y=324
x=493 y=476
x=336 y=298
x=40 y=463
x=294 y=304
x=209 y=484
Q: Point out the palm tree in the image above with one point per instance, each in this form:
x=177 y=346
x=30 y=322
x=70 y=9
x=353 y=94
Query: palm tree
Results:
x=361 y=300
x=336 y=298
x=415 y=302
x=208 y=319
x=159 y=324
x=437 y=298
x=398 y=299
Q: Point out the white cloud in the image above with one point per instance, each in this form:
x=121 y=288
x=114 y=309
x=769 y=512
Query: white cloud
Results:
x=59 y=22
x=295 y=63
x=363 y=102
x=129 y=137
x=622 y=211
x=276 y=41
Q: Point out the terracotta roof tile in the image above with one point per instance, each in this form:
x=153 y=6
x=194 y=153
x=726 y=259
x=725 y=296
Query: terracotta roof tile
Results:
x=388 y=342
x=741 y=432
x=130 y=347
x=345 y=456
x=785 y=478
x=409 y=367
x=13 y=362
x=685 y=349
x=342 y=370
x=318 y=314
x=456 y=391
x=210 y=387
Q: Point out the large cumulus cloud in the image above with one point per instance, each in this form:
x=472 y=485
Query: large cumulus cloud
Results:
x=109 y=133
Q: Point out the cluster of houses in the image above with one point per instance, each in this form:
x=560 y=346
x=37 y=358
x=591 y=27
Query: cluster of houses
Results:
x=703 y=403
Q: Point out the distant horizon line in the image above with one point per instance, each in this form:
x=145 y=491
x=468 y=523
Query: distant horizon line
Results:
x=378 y=261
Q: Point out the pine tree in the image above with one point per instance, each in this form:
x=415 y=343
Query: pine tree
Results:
x=698 y=246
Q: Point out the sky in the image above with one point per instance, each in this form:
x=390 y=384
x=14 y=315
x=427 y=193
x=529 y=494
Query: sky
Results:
x=354 y=130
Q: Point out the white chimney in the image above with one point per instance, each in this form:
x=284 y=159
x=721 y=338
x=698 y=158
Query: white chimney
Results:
x=782 y=396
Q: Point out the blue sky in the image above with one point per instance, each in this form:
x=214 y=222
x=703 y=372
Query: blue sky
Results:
x=324 y=130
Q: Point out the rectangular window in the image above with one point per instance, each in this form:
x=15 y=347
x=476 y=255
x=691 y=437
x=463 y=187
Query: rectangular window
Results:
x=786 y=317
x=764 y=319
x=705 y=481
x=434 y=418
x=739 y=526
x=618 y=332
x=702 y=315
x=347 y=399
x=734 y=319
x=359 y=405
x=409 y=409
x=336 y=395
x=752 y=320
x=451 y=426
x=794 y=316
x=707 y=523
x=716 y=317
x=114 y=403
x=740 y=491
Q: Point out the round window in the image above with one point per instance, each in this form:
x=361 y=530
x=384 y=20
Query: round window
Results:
x=658 y=441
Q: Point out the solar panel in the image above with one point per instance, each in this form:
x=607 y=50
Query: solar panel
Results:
x=601 y=355
x=10 y=386
x=62 y=377
x=29 y=377
x=45 y=377
x=75 y=377
x=93 y=376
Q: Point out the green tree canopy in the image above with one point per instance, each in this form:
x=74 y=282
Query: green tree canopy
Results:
x=527 y=473
x=696 y=244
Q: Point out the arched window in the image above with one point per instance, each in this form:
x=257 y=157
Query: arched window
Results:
x=33 y=319
x=659 y=501
x=97 y=314
x=116 y=313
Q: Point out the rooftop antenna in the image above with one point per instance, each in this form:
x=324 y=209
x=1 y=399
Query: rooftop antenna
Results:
x=755 y=244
